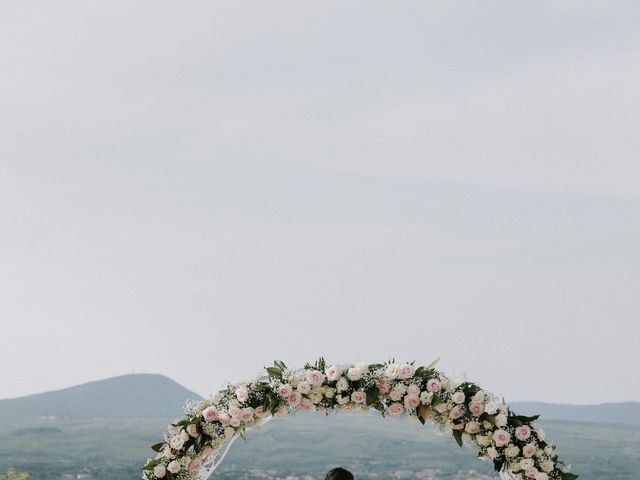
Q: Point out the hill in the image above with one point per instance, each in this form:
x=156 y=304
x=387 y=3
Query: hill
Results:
x=136 y=395
x=623 y=412
x=103 y=430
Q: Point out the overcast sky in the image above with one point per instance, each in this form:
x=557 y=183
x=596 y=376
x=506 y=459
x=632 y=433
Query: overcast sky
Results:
x=198 y=188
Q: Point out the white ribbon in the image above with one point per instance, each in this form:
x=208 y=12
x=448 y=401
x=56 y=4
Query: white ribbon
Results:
x=205 y=473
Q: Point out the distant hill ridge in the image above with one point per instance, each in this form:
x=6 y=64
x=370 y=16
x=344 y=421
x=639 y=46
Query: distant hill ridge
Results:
x=622 y=412
x=151 y=395
x=134 y=395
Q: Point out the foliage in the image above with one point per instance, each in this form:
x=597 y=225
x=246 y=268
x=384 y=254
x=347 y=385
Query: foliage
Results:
x=12 y=474
x=511 y=442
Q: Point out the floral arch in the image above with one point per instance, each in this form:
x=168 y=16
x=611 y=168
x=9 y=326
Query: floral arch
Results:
x=196 y=444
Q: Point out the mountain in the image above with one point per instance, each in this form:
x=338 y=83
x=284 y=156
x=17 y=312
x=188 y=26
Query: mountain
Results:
x=102 y=430
x=136 y=395
x=623 y=412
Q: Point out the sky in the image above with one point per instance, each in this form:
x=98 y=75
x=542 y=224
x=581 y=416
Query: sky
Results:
x=199 y=188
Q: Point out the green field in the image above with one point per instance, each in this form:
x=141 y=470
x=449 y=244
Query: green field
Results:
x=304 y=445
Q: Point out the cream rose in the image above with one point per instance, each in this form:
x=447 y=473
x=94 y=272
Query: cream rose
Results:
x=174 y=466
x=159 y=471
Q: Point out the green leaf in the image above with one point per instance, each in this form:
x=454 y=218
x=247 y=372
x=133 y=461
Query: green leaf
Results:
x=274 y=372
x=457 y=434
x=279 y=364
x=567 y=475
x=373 y=394
x=150 y=465
x=518 y=420
x=158 y=447
x=498 y=464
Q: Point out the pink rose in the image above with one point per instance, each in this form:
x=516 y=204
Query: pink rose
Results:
x=433 y=385
x=395 y=395
x=285 y=390
x=383 y=387
x=413 y=390
x=260 y=412
x=210 y=414
x=411 y=401
x=234 y=422
x=531 y=472
x=314 y=377
x=246 y=414
x=294 y=399
x=523 y=432
x=195 y=465
x=395 y=409
x=358 y=397
x=476 y=409
x=242 y=394
x=457 y=426
x=224 y=419
x=306 y=405
x=406 y=371
x=441 y=408
x=472 y=428
x=332 y=373
x=192 y=430
x=529 y=450
x=206 y=452
x=348 y=407
x=456 y=412
x=501 y=437
x=542 y=476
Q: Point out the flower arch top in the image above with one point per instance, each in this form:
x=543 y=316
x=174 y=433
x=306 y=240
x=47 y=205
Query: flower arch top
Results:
x=511 y=442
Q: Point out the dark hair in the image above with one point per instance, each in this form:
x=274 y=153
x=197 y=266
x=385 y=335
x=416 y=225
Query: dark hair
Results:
x=339 y=474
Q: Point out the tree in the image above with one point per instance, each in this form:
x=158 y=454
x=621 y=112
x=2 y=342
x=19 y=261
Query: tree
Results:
x=11 y=474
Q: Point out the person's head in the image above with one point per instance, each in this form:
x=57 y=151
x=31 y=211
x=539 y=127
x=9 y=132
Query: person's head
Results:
x=339 y=474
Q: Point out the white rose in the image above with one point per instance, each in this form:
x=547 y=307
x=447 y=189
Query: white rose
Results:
x=174 y=466
x=176 y=442
x=392 y=371
x=479 y=397
x=426 y=397
x=354 y=374
x=229 y=432
x=546 y=466
x=526 y=463
x=458 y=397
x=294 y=380
x=541 y=434
x=315 y=398
x=542 y=476
x=342 y=385
x=304 y=387
x=512 y=451
x=491 y=408
x=242 y=393
x=501 y=420
x=329 y=392
x=492 y=453
x=483 y=440
x=159 y=471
